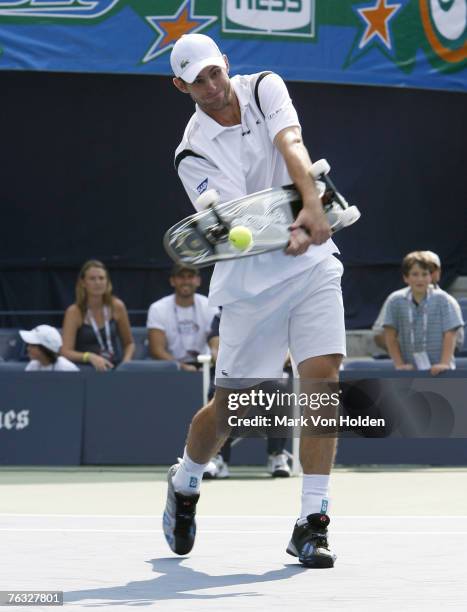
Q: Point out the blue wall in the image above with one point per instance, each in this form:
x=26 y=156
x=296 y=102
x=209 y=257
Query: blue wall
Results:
x=87 y=171
x=133 y=418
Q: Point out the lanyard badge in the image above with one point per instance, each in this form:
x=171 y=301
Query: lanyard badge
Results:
x=421 y=359
x=106 y=351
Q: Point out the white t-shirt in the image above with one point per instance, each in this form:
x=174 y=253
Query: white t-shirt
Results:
x=237 y=161
x=186 y=328
x=61 y=365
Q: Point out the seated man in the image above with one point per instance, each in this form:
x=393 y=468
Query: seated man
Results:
x=435 y=262
x=179 y=324
x=420 y=322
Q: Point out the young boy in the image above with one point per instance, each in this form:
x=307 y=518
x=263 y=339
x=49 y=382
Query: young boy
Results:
x=435 y=261
x=420 y=322
x=44 y=343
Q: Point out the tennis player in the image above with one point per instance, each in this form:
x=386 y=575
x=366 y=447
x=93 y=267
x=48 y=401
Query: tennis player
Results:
x=245 y=136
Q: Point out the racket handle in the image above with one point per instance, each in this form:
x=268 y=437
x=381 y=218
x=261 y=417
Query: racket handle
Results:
x=330 y=185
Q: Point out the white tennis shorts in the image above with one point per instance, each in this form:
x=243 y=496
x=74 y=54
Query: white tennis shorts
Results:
x=304 y=314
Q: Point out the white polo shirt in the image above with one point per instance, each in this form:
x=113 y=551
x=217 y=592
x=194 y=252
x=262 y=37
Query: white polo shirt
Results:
x=237 y=161
x=186 y=328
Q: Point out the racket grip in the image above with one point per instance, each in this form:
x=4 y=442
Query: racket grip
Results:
x=330 y=185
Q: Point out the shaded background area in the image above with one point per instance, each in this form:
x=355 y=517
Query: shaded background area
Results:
x=87 y=171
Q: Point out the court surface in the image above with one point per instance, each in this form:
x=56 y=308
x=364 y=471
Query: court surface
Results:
x=400 y=536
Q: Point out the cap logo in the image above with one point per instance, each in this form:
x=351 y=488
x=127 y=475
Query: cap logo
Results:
x=184 y=63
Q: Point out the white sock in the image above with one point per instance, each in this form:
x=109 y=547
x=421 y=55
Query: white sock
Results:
x=187 y=479
x=315 y=494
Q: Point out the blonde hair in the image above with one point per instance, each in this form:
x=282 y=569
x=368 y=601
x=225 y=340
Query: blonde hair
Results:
x=80 y=291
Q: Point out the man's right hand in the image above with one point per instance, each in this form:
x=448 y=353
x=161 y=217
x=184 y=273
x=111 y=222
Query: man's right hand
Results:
x=188 y=367
x=405 y=366
x=309 y=228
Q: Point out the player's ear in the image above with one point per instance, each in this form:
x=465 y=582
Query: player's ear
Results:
x=171 y=281
x=227 y=65
x=180 y=84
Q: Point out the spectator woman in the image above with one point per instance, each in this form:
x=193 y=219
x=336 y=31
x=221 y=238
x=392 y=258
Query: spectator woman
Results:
x=96 y=328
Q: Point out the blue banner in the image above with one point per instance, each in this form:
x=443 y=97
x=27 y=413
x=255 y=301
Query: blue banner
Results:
x=411 y=43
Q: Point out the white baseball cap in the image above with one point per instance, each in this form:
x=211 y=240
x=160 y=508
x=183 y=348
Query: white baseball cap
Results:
x=192 y=53
x=434 y=257
x=45 y=335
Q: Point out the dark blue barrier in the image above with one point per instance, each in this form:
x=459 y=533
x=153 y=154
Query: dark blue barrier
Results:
x=134 y=418
x=41 y=417
x=408 y=451
x=138 y=417
x=363 y=451
x=411 y=451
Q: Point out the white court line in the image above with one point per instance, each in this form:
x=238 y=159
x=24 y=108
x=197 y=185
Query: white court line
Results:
x=245 y=516
x=224 y=531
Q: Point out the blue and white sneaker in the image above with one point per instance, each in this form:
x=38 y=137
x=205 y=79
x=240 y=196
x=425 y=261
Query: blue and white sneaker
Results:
x=178 y=521
x=309 y=542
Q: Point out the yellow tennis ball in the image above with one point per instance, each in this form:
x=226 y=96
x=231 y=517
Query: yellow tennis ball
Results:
x=240 y=237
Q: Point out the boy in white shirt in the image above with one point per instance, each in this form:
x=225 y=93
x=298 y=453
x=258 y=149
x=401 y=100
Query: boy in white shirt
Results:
x=179 y=324
x=43 y=344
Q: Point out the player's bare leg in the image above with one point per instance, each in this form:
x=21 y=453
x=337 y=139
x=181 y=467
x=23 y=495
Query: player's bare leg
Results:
x=317 y=453
x=309 y=538
x=207 y=434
